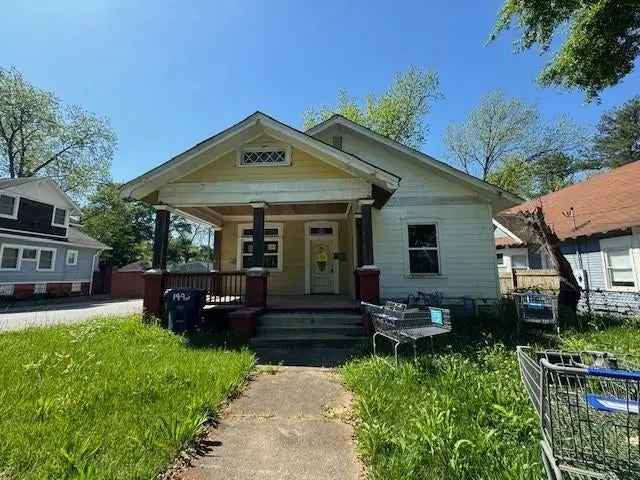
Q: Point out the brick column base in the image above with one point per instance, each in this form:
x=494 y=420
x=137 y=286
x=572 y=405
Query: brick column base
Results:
x=256 y=288
x=368 y=282
x=152 y=303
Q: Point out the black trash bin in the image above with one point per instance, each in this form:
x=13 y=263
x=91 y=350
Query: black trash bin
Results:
x=183 y=308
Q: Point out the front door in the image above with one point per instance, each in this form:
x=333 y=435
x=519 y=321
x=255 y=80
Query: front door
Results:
x=322 y=265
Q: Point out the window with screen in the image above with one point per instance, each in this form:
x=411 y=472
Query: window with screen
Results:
x=59 y=217
x=46 y=259
x=8 y=206
x=9 y=258
x=272 y=247
x=619 y=268
x=423 y=249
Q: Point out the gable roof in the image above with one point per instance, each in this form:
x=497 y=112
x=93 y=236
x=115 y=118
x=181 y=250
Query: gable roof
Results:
x=606 y=202
x=149 y=181
x=517 y=232
x=12 y=183
x=428 y=160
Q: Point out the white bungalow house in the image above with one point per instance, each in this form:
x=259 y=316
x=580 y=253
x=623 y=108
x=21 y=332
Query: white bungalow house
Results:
x=337 y=210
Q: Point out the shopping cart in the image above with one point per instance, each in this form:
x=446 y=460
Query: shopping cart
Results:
x=407 y=325
x=539 y=309
x=588 y=404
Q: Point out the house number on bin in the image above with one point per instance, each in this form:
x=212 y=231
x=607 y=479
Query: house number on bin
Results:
x=183 y=297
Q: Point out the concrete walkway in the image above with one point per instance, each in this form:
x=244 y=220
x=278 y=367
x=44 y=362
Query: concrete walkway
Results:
x=289 y=424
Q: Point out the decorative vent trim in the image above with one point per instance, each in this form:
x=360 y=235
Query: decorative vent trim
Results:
x=265 y=156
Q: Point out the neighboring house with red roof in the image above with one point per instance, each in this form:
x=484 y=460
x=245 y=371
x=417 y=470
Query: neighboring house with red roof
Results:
x=598 y=222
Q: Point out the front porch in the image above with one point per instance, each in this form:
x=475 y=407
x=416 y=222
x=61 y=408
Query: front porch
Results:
x=306 y=256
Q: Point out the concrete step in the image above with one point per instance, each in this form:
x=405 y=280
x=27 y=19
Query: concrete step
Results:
x=317 y=329
x=308 y=319
x=308 y=341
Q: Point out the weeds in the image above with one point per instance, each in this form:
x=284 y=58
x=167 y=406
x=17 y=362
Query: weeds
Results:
x=461 y=414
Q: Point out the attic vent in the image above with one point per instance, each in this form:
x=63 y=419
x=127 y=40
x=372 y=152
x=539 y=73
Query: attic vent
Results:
x=265 y=156
x=337 y=141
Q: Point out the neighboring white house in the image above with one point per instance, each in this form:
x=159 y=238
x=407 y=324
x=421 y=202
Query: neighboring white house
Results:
x=336 y=198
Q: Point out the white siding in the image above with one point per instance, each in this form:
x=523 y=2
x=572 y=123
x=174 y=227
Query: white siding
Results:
x=464 y=219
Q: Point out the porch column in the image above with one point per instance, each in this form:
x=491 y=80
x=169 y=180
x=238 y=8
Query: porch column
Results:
x=367 y=232
x=257 y=274
x=258 y=234
x=217 y=249
x=368 y=275
x=152 y=302
x=161 y=239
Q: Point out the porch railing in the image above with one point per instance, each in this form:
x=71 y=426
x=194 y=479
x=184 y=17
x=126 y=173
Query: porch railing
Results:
x=222 y=288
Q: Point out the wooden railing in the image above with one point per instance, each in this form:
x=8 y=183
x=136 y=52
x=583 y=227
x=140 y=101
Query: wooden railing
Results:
x=222 y=288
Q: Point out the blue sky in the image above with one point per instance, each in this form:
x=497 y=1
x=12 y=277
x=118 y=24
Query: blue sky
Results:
x=170 y=73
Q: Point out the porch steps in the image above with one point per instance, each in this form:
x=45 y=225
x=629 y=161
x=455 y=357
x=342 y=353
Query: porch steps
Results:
x=309 y=330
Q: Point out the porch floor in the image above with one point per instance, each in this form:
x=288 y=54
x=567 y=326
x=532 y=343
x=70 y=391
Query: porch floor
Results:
x=315 y=302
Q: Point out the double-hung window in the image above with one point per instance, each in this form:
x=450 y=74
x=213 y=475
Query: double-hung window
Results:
x=272 y=247
x=72 y=257
x=46 y=260
x=8 y=206
x=9 y=257
x=423 y=248
x=618 y=263
x=59 y=218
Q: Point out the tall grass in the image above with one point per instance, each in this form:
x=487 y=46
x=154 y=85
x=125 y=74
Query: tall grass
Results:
x=110 y=399
x=462 y=414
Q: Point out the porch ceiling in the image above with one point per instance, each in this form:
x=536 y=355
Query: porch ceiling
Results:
x=217 y=214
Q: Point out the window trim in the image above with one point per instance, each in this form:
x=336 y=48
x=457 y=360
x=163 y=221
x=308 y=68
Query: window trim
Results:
x=66 y=217
x=264 y=148
x=16 y=205
x=18 y=261
x=75 y=262
x=53 y=259
x=406 y=222
x=613 y=244
x=243 y=238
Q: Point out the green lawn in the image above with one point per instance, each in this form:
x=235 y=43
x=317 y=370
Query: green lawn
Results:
x=461 y=414
x=110 y=399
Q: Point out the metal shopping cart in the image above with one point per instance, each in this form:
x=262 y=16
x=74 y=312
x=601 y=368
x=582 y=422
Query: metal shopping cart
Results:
x=407 y=325
x=588 y=404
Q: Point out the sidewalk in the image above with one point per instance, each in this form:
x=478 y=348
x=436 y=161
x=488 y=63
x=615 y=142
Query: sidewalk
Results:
x=289 y=424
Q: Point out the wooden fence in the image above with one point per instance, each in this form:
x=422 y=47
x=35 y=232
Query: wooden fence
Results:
x=528 y=279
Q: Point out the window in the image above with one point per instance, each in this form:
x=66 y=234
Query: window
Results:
x=72 y=257
x=59 y=217
x=500 y=258
x=8 y=206
x=519 y=261
x=272 y=247
x=423 y=249
x=619 y=268
x=29 y=254
x=46 y=260
x=321 y=231
x=9 y=258
x=264 y=156
x=617 y=259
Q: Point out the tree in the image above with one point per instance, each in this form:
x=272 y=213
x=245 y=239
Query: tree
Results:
x=601 y=44
x=397 y=114
x=41 y=136
x=514 y=175
x=188 y=242
x=501 y=128
x=125 y=226
x=618 y=139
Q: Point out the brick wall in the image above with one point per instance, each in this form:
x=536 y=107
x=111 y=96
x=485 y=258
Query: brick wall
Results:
x=617 y=303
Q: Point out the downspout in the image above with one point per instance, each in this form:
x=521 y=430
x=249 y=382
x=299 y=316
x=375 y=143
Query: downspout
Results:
x=93 y=266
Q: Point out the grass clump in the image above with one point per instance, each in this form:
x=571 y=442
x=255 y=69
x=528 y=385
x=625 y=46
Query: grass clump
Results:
x=461 y=414
x=109 y=399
